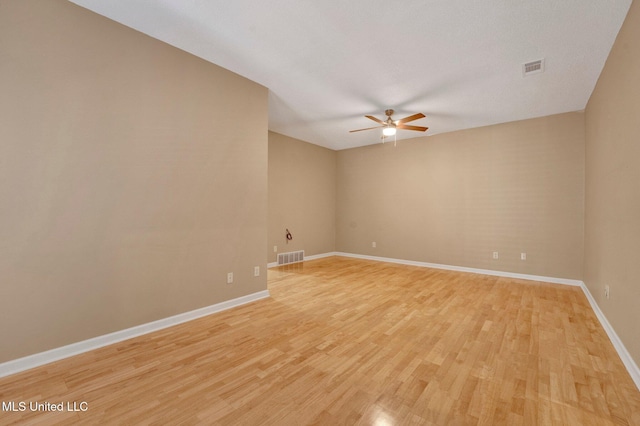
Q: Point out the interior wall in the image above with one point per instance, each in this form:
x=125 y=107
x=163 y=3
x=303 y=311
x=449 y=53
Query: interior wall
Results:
x=612 y=224
x=455 y=198
x=133 y=177
x=302 y=196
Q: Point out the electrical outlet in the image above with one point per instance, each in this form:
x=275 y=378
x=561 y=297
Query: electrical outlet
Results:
x=373 y=244
x=606 y=291
x=230 y=278
x=256 y=271
x=495 y=255
x=523 y=256
x=275 y=249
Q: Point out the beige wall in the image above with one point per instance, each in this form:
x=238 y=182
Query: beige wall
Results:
x=455 y=198
x=133 y=177
x=612 y=225
x=302 y=196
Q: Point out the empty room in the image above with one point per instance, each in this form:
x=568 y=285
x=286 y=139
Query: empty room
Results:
x=291 y=213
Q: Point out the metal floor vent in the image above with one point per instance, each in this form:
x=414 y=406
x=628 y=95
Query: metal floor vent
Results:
x=291 y=257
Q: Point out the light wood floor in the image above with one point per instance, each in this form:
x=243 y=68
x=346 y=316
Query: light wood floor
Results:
x=346 y=341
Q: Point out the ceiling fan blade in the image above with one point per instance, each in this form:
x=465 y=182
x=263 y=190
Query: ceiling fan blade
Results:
x=368 y=128
x=377 y=120
x=416 y=128
x=410 y=118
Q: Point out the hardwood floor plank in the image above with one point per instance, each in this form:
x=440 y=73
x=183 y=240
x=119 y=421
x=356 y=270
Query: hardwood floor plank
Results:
x=350 y=341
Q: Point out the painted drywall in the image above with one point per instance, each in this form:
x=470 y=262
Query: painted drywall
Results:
x=612 y=209
x=456 y=198
x=302 y=196
x=133 y=177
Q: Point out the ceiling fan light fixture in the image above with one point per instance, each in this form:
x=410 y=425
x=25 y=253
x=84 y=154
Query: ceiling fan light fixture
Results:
x=390 y=126
x=389 y=131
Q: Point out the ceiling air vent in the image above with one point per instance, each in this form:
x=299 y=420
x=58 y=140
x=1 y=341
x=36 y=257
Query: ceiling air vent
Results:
x=535 y=67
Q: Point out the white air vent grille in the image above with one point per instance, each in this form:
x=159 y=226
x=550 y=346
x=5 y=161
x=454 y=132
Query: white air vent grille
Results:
x=291 y=257
x=534 y=67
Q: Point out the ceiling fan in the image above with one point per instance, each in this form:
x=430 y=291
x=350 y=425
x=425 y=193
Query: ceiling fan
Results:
x=389 y=126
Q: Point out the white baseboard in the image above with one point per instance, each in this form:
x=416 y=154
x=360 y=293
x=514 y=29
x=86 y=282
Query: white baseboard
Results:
x=628 y=362
x=36 y=360
x=319 y=256
x=553 y=280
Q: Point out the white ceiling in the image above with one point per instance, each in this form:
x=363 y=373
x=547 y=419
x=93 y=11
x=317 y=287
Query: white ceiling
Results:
x=328 y=63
